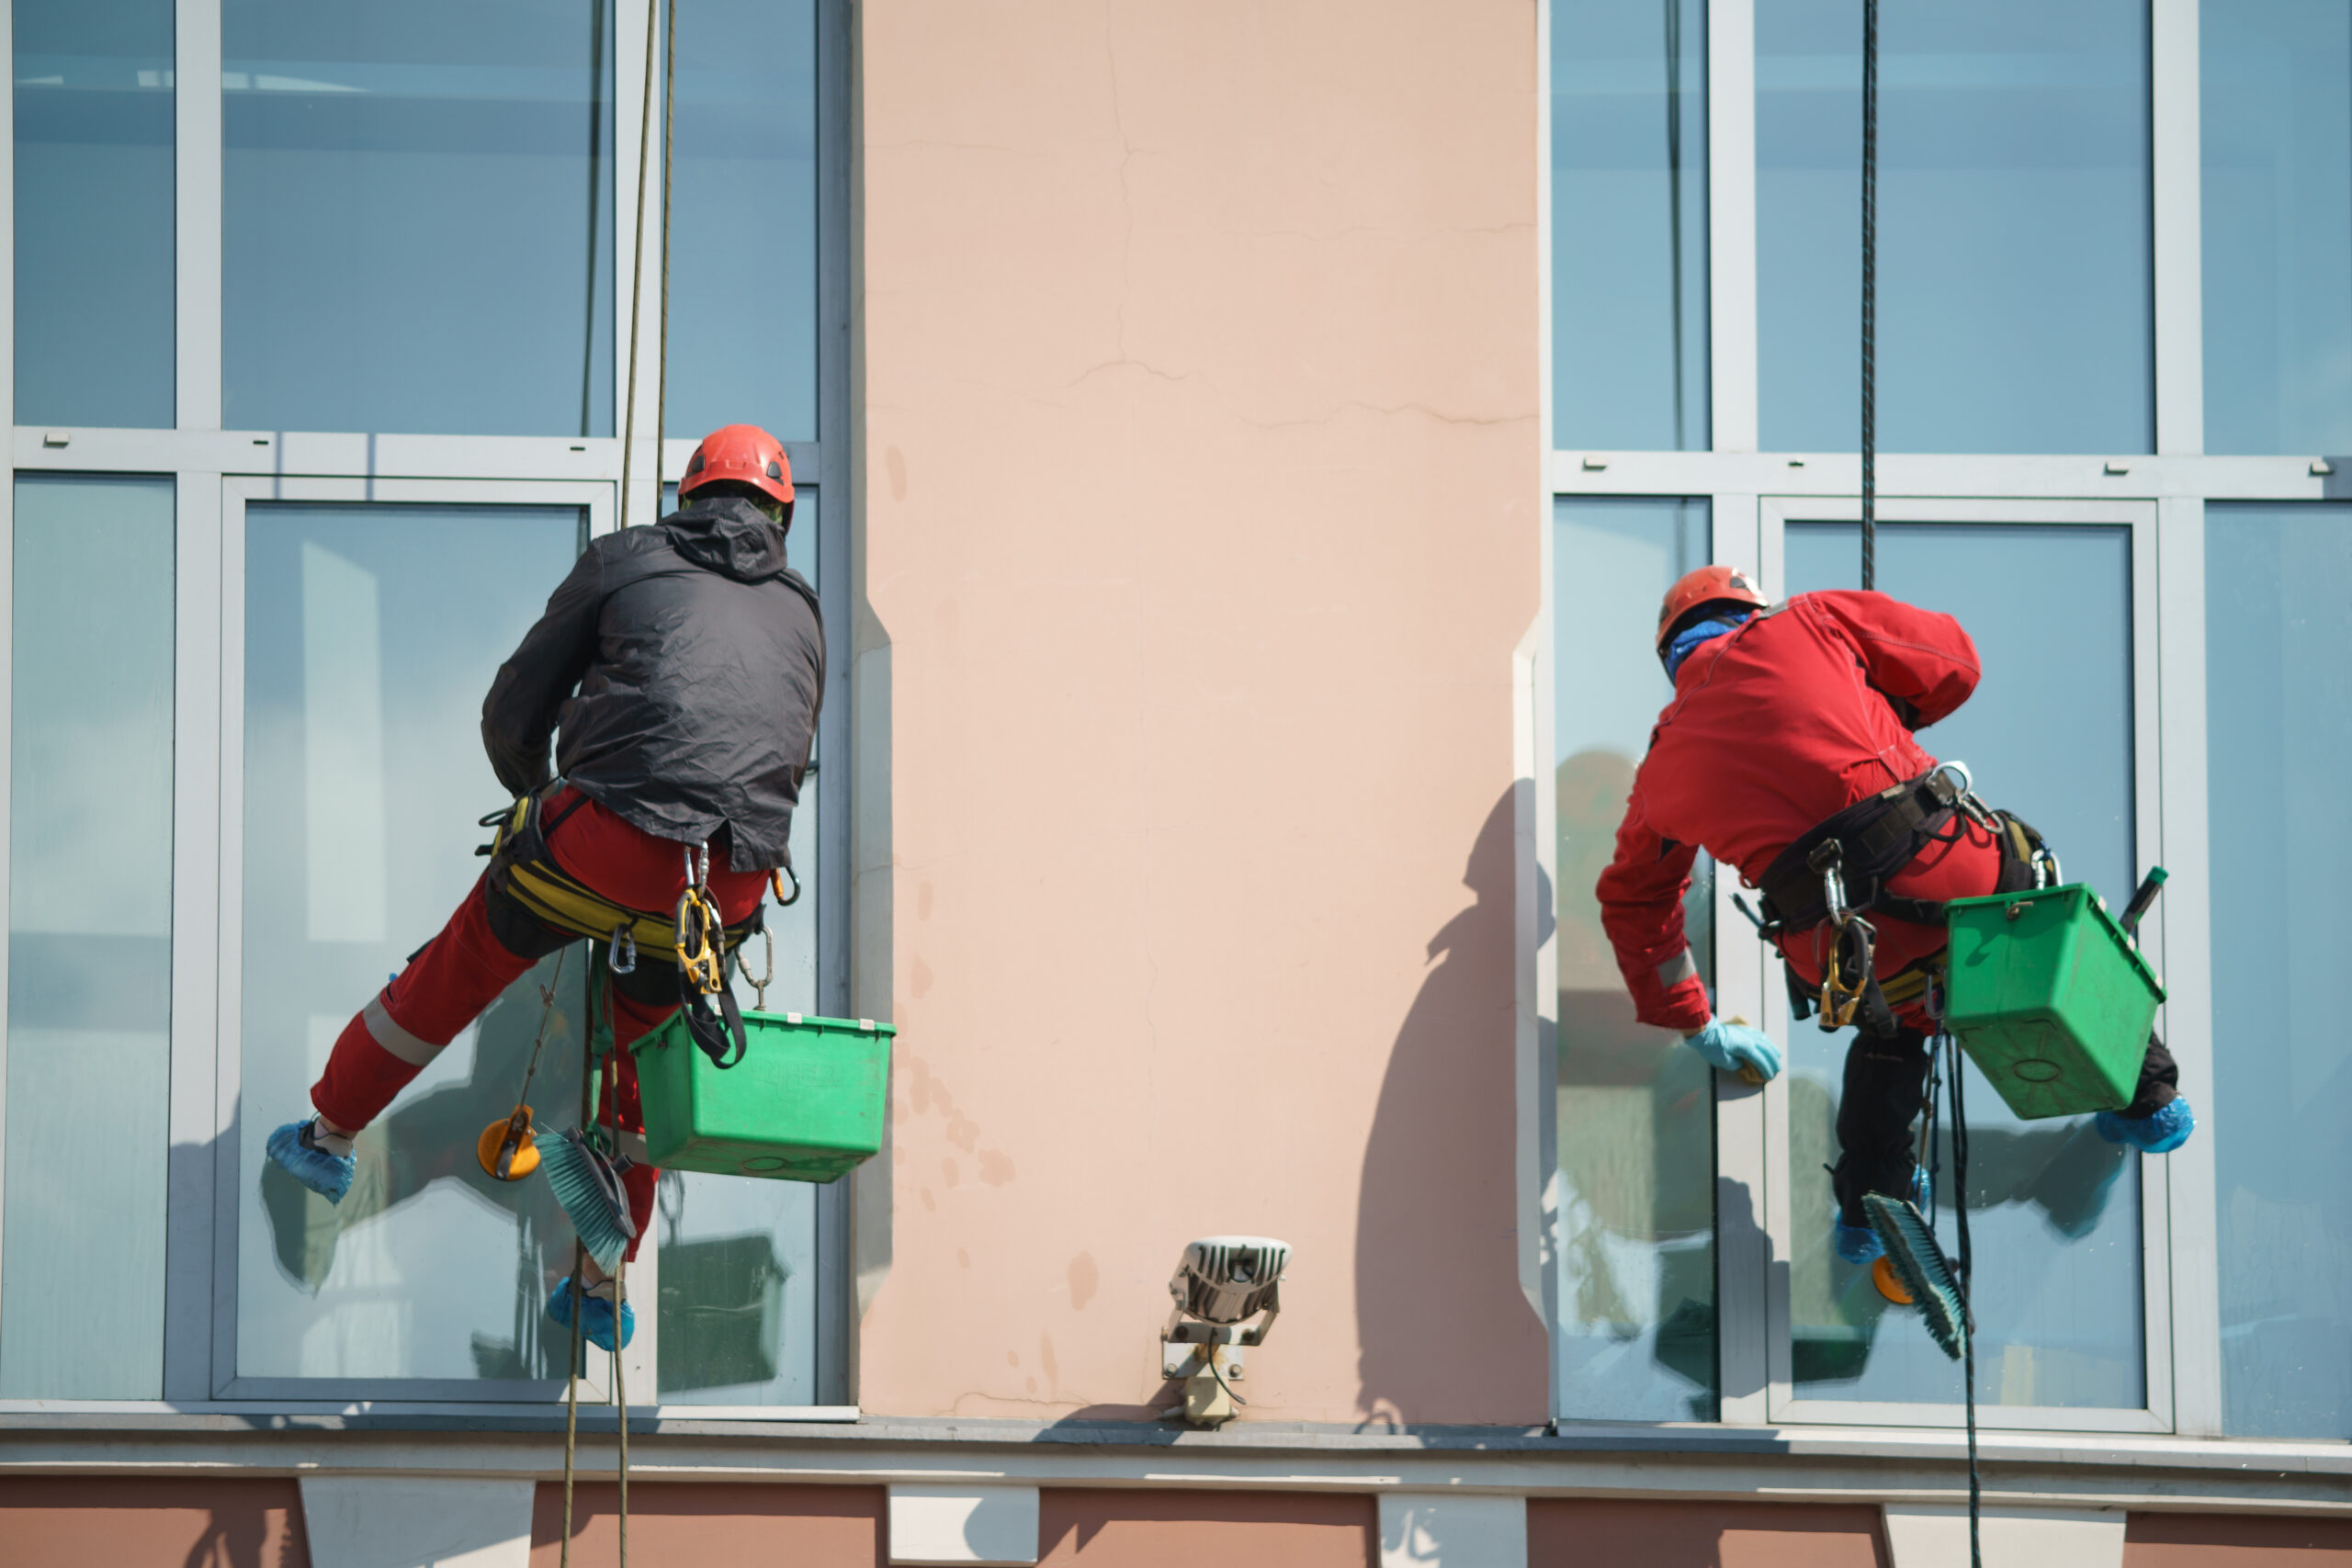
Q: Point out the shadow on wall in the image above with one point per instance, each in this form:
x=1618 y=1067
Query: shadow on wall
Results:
x=75 y=1521
x=1446 y=1334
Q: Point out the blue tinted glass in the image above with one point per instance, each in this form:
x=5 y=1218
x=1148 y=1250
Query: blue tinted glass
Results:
x=90 y=941
x=2014 y=293
x=743 y=247
x=1636 y=1111
x=417 y=203
x=94 y=212
x=1629 y=225
x=2053 y=1209
x=2276 y=81
x=2278 y=741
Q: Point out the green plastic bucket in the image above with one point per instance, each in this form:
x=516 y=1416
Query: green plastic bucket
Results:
x=2049 y=999
x=804 y=1103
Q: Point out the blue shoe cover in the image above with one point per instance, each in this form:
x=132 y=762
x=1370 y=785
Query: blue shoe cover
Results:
x=2159 y=1132
x=327 y=1175
x=1855 y=1243
x=596 y=1317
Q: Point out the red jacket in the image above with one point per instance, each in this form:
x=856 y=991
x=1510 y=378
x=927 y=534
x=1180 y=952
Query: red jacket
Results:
x=1795 y=715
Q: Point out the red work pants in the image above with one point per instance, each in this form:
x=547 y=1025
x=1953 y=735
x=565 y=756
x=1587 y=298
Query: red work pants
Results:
x=460 y=972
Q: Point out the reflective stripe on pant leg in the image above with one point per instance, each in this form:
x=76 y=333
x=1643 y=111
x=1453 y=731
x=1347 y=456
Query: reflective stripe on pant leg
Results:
x=362 y=1076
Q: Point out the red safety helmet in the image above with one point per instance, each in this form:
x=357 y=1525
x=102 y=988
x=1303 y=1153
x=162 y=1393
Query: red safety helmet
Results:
x=745 y=454
x=1708 y=585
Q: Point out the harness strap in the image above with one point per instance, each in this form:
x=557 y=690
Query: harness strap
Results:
x=1875 y=837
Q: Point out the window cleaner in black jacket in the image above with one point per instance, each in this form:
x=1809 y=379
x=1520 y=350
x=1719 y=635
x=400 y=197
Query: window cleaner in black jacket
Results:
x=680 y=669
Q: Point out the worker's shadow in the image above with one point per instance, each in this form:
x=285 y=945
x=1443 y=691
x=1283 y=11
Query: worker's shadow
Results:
x=1450 y=1333
x=431 y=1140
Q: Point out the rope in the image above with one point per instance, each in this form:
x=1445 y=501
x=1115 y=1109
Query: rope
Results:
x=1967 y=1312
x=669 y=147
x=1674 y=197
x=1870 y=293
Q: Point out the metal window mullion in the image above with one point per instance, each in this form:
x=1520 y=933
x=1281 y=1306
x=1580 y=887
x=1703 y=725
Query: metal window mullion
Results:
x=197 y=186
x=2185 y=924
x=629 y=105
x=8 y=528
x=1743 y=1161
x=228 y=950
x=2148 y=824
x=1731 y=225
x=835 y=1335
x=198 y=1125
x=2176 y=158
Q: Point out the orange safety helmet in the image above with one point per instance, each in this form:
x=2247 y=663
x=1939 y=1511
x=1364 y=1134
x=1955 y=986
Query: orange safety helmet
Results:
x=745 y=454
x=1708 y=585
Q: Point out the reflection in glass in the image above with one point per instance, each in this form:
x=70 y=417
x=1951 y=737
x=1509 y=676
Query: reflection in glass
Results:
x=2275 y=80
x=744 y=256
x=1637 y=1108
x=2014 y=292
x=1629 y=225
x=2279 y=740
x=417 y=208
x=367 y=655
x=2053 y=1209
x=90 y=941
x=95 y=199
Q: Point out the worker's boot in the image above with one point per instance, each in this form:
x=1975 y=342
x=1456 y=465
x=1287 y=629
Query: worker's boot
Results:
x=317 y=1158
x=2160 y=1132
x=597 y=1302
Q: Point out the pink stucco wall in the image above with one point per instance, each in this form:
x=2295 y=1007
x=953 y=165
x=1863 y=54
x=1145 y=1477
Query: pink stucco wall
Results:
x=1201 y=483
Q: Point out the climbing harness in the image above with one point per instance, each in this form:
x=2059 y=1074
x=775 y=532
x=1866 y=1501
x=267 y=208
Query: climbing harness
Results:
x=526 y=881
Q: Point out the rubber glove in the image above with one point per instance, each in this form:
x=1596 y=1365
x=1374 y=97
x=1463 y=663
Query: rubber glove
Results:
x=1730 y=1045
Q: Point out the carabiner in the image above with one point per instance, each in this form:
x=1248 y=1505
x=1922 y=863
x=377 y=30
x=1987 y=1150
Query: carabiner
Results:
x=624 y=941
x=760 y=986
x=776 y=883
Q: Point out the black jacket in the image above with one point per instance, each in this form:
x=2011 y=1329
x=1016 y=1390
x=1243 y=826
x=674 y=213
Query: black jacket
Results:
x=699 y=659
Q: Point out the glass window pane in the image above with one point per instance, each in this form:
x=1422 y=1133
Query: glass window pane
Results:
x=90 y=941
x=2278 y=740
x=371 y=632
x=743 y=293
x=2014 y=292
x=2275 y=79
x=1636 y=1109
x=94 y=199
x=417 y=203
x=2053 y=1209
x=1629 y=225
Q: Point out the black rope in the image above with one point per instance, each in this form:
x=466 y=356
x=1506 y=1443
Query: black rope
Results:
x=1674 y=197
x=1961 y=1278
x=1870 y=293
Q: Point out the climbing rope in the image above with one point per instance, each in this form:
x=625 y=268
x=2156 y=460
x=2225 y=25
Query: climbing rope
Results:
x=1870 y=293
x=1962 y=1277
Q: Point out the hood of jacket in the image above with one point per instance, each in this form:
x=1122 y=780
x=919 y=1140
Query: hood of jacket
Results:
x=729 y=536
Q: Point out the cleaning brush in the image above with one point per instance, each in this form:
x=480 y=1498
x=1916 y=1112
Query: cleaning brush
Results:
x=1919 y=1261
x=587 y=1182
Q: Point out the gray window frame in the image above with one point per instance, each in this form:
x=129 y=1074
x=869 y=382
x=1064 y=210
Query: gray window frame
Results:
x=215 y=471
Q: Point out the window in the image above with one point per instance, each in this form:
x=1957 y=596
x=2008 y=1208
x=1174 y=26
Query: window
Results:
x=1636 y=1111
x=2279 y=731
x=1629 y=225
x=89 y=939
x=245 y=769
x=2014 y=280
x=94 y=212
x=2276 y=121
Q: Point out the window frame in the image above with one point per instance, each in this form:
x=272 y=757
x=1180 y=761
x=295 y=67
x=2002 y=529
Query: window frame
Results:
x=216 y=472
x=1754 y=493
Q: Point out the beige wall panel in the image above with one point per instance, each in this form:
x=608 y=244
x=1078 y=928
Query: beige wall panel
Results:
x=1202 y=474
x=60 y=1522
x=713 y=1523
x=1598 y=1533
x=1091 y=1529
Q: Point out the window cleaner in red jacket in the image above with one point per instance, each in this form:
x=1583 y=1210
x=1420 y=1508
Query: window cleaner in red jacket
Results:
x=1783 y=718
x=685 y=666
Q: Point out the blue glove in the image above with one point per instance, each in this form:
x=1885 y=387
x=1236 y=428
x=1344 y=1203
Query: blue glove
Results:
x=1731 y=1046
